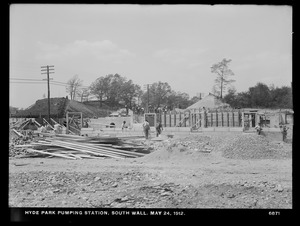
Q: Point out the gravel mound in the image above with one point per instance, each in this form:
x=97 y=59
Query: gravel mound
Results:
x=253 y=146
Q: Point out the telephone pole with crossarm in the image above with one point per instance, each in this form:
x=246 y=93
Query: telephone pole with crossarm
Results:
x=48 y=70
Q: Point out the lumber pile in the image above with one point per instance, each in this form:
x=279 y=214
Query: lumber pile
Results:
x=78 y=147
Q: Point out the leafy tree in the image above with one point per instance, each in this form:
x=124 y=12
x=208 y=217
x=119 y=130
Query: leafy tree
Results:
x=129 y=92
x=84 y=94
x=260 y=95
x=158 y=93
x=100 y=88
x=73 y=86
x=243 y=100
x=194 y=99
x=230 y=97
x=223 y=72
x=115 y=89
x=178 y=100
x=281 y=97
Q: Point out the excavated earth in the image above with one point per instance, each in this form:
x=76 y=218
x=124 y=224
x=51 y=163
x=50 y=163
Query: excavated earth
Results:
x=219 y=170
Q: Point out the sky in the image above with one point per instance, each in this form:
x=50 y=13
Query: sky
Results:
x=176 y=44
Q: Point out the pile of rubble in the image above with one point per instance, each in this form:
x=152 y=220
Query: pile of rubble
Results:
x=13 y=151
x=253 y=146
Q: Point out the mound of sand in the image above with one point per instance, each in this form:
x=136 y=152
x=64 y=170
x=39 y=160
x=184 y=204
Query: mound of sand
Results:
x=233 y=146
x=253 y=146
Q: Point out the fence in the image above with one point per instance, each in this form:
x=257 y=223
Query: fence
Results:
x=201 y=119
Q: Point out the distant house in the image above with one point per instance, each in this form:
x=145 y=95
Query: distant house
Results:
x=210 y=101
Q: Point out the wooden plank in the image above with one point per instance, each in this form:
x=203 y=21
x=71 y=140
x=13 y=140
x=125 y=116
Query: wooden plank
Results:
x=89 y=156
x=87 y=151
x=111 y=149
x=47 y=123
x=37 y=123
x=70 y=154
x=24 y=124
x=48 y=153
x=104 y=150
x=19 y=134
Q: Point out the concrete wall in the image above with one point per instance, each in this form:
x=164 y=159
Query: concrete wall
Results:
x=101 y=123
x=138 y=130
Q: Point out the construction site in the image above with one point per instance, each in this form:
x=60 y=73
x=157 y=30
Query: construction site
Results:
x=207 y=156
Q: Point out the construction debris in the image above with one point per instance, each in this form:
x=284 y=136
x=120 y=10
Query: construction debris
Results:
x=78 y=147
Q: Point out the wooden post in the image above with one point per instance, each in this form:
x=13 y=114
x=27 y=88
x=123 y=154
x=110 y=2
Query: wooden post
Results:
x=233 y=119
x=81 y=119
x=211 y=119
x=174 y=118
x=217 y=118
x=67 y=119
x=222 y=119
x=200 y=119
x=240 y=119
x=228 y=119
x=180 y=119
x=243 y=117
x=170 y=119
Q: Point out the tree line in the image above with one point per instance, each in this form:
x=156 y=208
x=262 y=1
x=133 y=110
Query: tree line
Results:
x=261 y=96
x=114 y=90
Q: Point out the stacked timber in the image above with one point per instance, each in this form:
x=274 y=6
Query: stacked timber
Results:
x=78 y=147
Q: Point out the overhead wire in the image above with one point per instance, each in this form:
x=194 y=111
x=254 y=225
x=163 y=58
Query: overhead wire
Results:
x=40 y=81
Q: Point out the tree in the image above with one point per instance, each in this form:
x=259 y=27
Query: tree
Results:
x=100 y=88
x=84 y=94
x=178 y=100
x=194 y=99
x=230 y=97
x=158 y=93
x=115 y=88
x=73 y=86
x=243 y=100
x=129 y=92
x=281 y=97
x=223 y=73
x=260 y=95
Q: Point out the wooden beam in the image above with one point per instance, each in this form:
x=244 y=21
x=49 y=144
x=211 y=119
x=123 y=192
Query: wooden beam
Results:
x=48 y=153
x=105 y=150
x=19 y=134
x=87 y=151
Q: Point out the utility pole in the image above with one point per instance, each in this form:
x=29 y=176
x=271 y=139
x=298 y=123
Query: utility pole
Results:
x=148 y=85
x=148 y=98
x=48 y=70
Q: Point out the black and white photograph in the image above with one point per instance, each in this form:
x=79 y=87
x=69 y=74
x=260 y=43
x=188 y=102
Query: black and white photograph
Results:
x=149 y=109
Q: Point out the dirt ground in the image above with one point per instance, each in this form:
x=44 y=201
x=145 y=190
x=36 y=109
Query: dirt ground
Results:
x=194 y=171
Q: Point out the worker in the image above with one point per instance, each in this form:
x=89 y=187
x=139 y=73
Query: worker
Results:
x=146 y=128
x=284 y=130
x=124 y=125
x=159 y=128
x=258 y=129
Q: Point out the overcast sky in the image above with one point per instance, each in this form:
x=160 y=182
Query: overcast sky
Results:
x=147 y=43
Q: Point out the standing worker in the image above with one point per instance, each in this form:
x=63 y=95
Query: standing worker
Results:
x=159 y=128
x=284 y=130
x=146 y=128
x=124 y=125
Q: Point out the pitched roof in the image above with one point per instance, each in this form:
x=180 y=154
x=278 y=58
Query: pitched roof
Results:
x=58 y=108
